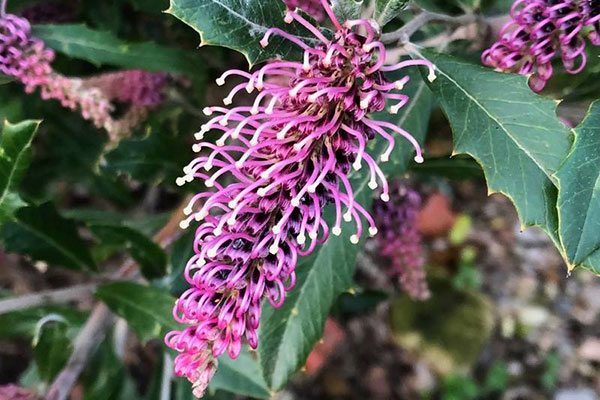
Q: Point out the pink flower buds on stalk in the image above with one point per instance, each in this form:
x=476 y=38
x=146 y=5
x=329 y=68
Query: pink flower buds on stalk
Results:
x=312 y=7
x=400 y=241
x=26 y=59
x=541 y=29
x=14 y=392
x=288 y=154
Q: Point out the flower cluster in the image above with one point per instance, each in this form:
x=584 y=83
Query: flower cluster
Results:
x=312 y=7
x=541 y=29
x=399 y=239
x=287 y=154
x=14 y=392
x=25 y=58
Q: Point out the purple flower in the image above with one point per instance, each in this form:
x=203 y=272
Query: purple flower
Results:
x=540 y=30
x=399 y=239
x=312 y=7
x=287 y=155
x=26 y=59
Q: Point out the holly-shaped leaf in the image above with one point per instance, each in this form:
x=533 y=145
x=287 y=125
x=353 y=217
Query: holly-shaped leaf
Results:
x=15 y=157
x=579 y=194
x=150 y=257
x=241 y=25
x=512 y=132
x=147 y=309
x=347 y=9
x=43 y=234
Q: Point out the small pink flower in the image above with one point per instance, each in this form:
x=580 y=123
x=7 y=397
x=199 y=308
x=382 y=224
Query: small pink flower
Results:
x=400 y=241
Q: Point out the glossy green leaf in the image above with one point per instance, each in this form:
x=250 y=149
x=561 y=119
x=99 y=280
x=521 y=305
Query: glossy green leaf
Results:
x=158 y=156
x=512 y=132
x=289 y=333
x=22 y=323
x=579 y=194
x=103 y=48
x=240 y=25
x=241 y=376
x=347 y=9
x=146 y=309
x=387 y=10
x=41 y=233
x=52 y=349
x=107 y=378
x=149 y=256
x=15 y=156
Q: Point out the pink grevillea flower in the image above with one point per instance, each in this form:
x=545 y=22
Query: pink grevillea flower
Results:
x=14 y=392
x=312 y=7
x=135 y=87
x=287 y=155
x=540 y=30
x=26 y=59
x=400 y=241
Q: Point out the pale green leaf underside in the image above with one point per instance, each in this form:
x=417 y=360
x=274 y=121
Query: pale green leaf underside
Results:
x=103 y=48
x=347 y=9
x=387 y=10
x=289 y=333
x=240 y=25
x=579 y=194
x=512 y=132
x=15 y=156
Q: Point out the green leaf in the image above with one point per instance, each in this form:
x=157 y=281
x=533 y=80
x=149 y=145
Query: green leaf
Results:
x=387 y=10
x=107 y=378
x=103 y=48
x=241 y=376
x=15 y=156
x=52 y=349
x=579 y=194
x=156 y=157
x=240 y=25
x=146 y=309
x=347 y=9
x=4 y=79
x=457 y=167
x=20 y=324
x=41 y=233
x=513 y=134
x=150 y=257
x=289 y=333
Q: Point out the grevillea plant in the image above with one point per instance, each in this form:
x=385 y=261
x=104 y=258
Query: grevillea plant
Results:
x=539 y=31
x=399 y=239
x=302 y=128
x=289 y=153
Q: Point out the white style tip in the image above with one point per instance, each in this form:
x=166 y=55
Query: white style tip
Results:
x=354 y=239
x=385 y=197
x=336 y=230
x=373 y=231
x=419 y=159
x=184 y=224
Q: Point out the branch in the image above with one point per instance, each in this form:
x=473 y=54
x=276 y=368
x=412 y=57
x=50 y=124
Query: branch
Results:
x=412 y=26
x=100 y=318
x=3 y=8
x=46 y=297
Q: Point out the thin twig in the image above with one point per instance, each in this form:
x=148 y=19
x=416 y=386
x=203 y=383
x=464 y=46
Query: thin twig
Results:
x=412 y=26
x=3 y=8
x=58 y=296
x=100 y=318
